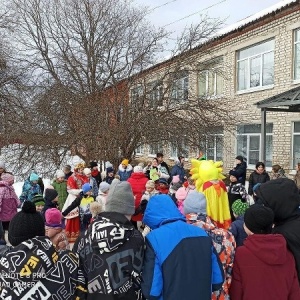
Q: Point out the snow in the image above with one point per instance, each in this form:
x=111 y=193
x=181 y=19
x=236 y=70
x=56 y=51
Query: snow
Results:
x=254 y=17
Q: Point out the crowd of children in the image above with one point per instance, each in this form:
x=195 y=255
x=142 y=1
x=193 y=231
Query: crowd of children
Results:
x=131 y=226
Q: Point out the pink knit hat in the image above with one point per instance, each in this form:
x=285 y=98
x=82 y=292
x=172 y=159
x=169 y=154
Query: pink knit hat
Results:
x=181 y=194
x=53 y=217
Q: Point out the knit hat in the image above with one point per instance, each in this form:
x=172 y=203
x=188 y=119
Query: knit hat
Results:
x=239 y=207
x=87 y=171
x=120 y=198
x=104 y=186
x=38 y=200
x=34 y=177
x=8 y=178
x=59 y=174
x=150 y=184
x=240 y=158
x=181 y=194
x=26 y=224
x=175 y=179
x=2 y=164
x=163 y=181
x=109 y=170
x=259 y=219
x=233 y=173
x=50 y=195
x=86 y=188
x=138 y=169
x=125 y=162
x=93 y=164
x=53 y=217
x=195 y=202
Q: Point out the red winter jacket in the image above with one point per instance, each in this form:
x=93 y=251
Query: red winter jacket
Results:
x=264 y=269
x=138 y=182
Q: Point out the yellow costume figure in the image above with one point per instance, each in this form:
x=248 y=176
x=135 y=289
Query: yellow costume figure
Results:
x=208 y=177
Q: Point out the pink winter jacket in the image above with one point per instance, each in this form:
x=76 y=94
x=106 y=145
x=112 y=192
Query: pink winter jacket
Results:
x=9 y=201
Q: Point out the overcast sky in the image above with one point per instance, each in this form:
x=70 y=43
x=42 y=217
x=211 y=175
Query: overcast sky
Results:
x=231 y=10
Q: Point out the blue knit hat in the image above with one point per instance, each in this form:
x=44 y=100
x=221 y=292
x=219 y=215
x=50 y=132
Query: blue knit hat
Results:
x=34 y=177
x=195 y=202
x=86 y=188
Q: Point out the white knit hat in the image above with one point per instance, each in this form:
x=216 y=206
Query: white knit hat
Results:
x=59 y=174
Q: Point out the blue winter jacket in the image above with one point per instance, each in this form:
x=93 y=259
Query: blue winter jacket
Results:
x=178 y=170
x=237 y=229
x=180 y=261
x=29 y=190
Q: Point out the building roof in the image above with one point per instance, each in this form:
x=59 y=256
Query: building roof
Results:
x=286 y=101
x=253 y=18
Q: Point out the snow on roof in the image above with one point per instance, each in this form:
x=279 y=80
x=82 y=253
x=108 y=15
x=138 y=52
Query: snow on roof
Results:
x=254 y=17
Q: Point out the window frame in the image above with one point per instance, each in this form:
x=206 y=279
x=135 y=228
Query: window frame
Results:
x=180 y=83
x=294 y=133
x=155 y=94
x=215 y=71
x=295 y=44
x=249 y=135
x=248 y=59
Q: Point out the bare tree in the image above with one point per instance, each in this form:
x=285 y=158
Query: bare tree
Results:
x=94 y=84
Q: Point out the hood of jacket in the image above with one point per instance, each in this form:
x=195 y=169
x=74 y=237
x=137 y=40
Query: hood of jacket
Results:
x=160 y=210
x=282 y=196
x=109 y=231
x=128 y=169
x=137 y=176
x=269 y=248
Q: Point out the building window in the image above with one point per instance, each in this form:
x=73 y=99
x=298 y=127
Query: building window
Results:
x=255 y=66
x=178 y=149
x=248 y=143
x=155 y=94
x=213 y=144
x=210 y=79
x=297 y=54
x=296 y=144
x=180 y=88
x=155 y=148
x=139 y=150
x=136 y=97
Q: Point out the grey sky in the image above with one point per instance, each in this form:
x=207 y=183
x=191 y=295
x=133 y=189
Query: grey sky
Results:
x=231 y=10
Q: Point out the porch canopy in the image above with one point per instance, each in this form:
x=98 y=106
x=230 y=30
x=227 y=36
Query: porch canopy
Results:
x=288 y=101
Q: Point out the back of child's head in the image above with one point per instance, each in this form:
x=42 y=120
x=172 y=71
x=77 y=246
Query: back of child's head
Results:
x=259 y=219
x=53 y=217
x=95 y=208
x=239 y=207
x=150 y=184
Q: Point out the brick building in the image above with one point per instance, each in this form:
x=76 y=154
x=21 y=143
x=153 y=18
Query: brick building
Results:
x=254 y=59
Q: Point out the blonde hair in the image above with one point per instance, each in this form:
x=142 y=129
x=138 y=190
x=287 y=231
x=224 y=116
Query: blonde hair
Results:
x=150 y=184
x=95 y=208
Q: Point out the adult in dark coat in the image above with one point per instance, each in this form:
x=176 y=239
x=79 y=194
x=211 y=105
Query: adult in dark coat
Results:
x=240 y=169
x=95 y=172
x=259 y=175
x=282 y=196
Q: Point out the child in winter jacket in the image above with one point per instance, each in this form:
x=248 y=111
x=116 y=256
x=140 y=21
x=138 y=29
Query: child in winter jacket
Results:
x=82 y=201
x=60 y=185
x=102 y=194
x=54 y=230
x=239 y=208
x=96 y=209
x=263 y=267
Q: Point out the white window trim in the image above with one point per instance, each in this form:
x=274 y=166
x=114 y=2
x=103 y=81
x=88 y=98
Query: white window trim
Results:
x=252 y=166
x=176 y=100
x=292 y=142
x=294 y=52
x=215 y=145
x=206 y=95
x=248 y=88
